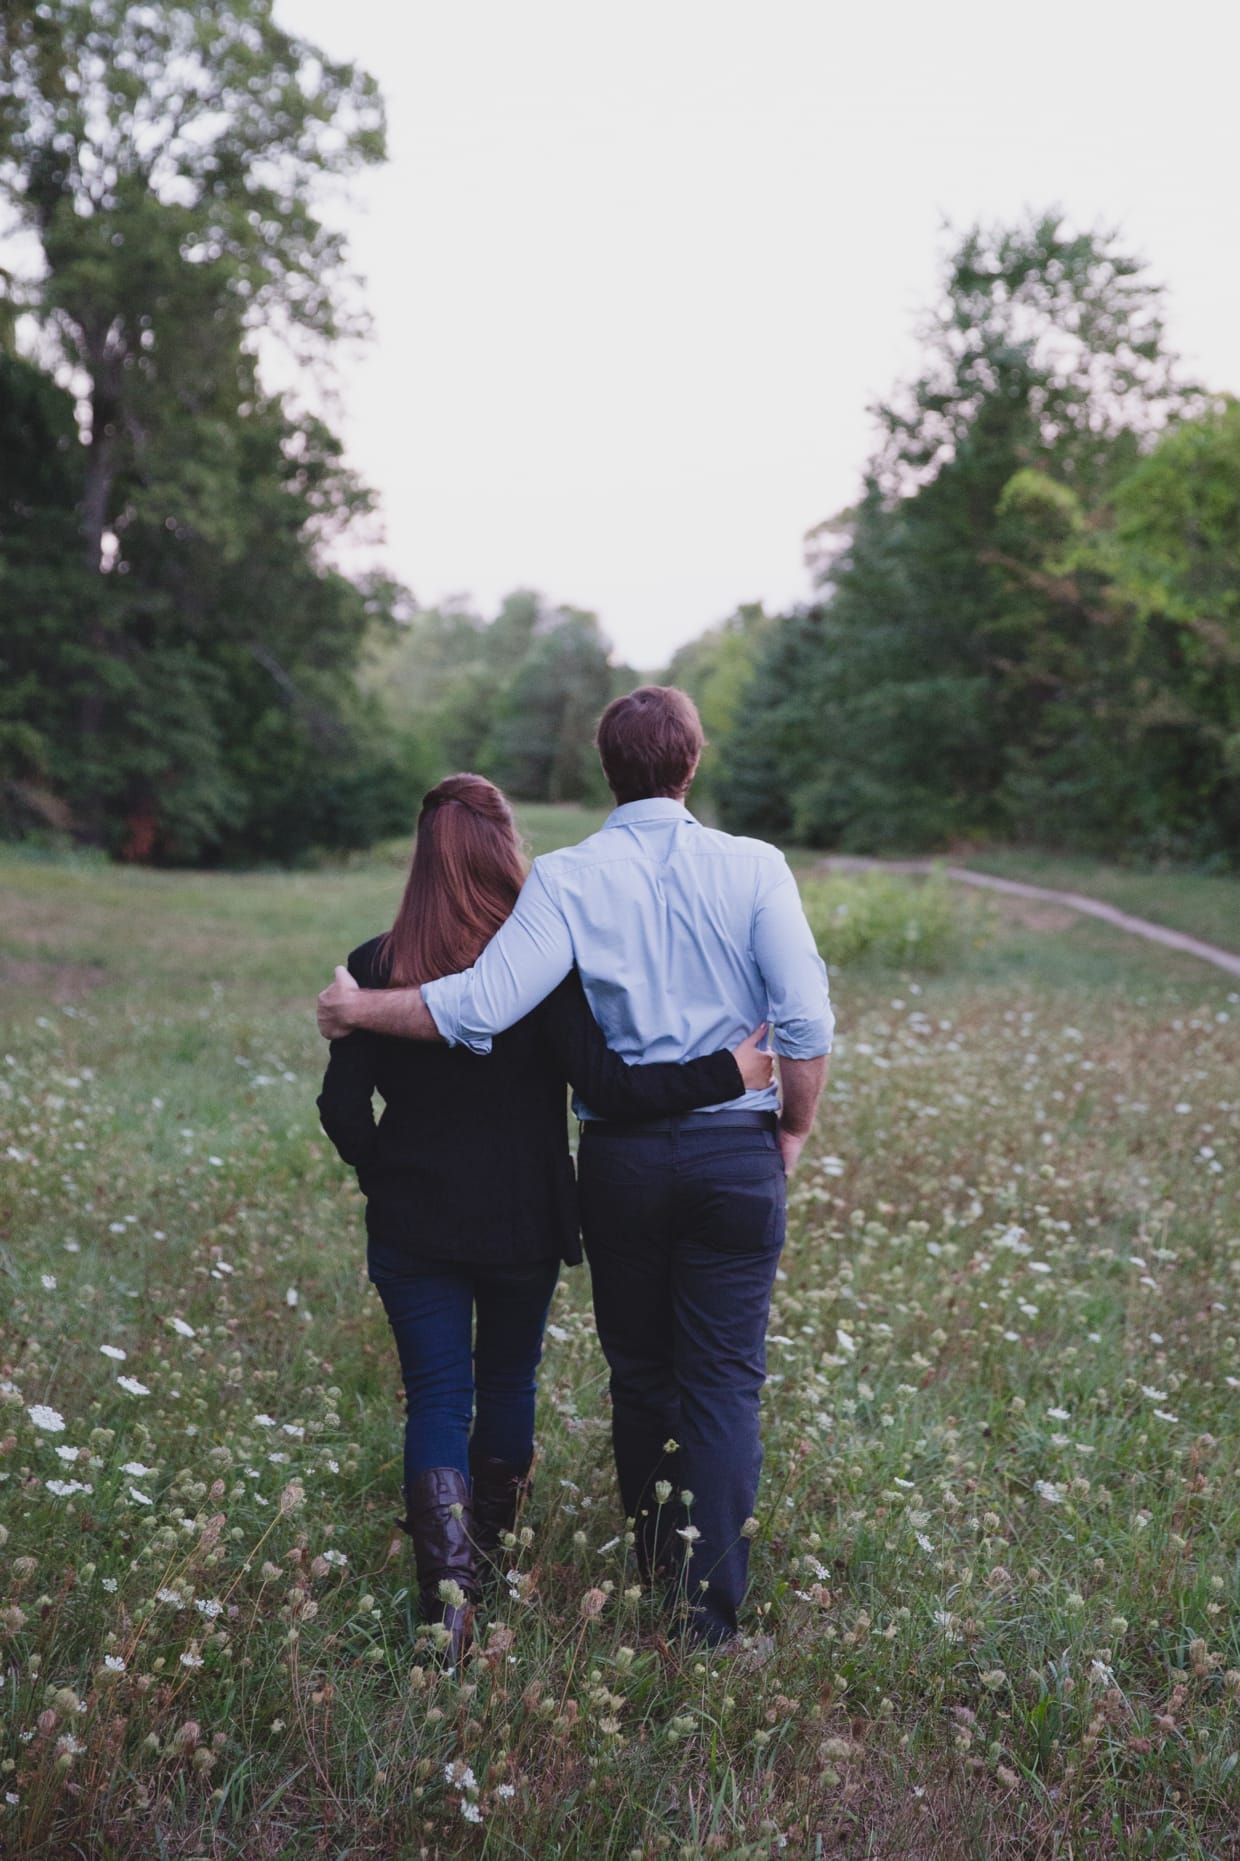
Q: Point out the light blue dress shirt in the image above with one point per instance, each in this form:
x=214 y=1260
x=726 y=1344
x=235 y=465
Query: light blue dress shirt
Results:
x=686 y=939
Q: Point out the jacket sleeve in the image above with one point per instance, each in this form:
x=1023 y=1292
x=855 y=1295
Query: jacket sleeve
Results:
x=345 y=1109
x=615 y=1089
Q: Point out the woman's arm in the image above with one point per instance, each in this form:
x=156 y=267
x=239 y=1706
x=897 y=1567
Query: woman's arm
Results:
x=613 y=1088
x=345 y=1109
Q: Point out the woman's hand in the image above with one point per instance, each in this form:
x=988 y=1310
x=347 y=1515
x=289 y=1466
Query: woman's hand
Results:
x=757 y=1069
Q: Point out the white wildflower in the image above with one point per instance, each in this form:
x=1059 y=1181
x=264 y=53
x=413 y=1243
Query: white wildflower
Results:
x=49 y=1420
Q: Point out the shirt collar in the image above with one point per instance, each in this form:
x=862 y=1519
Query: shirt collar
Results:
x=653 y=808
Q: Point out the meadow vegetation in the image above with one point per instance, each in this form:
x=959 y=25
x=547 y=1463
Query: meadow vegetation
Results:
x=996 y=1601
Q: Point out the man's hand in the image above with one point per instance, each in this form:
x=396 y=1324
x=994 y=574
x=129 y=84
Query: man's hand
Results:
x=335 y=1003
x=800 y=1083
x=790 y=1148
x=757 y=1069
x=344 y=1008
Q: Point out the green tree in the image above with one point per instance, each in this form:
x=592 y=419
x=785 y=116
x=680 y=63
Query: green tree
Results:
x=542 y=744
x=166 y=159
x=889 y=715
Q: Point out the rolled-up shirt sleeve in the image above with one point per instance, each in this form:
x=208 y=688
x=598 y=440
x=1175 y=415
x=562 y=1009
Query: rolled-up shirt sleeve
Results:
x=527 y=958
x=798 y=994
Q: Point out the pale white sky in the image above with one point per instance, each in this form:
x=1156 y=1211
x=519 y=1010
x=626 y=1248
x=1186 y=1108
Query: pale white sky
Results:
x=637 y=270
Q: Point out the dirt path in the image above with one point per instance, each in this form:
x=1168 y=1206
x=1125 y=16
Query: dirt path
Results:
x=1041 y=894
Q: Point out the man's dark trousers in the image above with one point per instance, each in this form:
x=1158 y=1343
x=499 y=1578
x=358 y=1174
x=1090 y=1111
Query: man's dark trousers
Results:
x=683 y=1222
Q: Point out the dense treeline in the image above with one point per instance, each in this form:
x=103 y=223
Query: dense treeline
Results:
x=515 y=698
x=183 y=675
x=177 y=659
x=1029 y=626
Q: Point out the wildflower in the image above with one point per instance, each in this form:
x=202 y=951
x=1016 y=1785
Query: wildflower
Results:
x=1047 y=1490
x=136 y=1468
x=592 y=1603
x=1165 y=1415
x=844 y=1341
x=1059 y=1415
x=335 y=1557
x=265 y=1421
x=134 y=1387
x=143 y=1499
x=181 y=1328
x=689 y=1533
x=1155 y=1395
x=662 y=1491
x=923 y=1541
x=48 y=1281
x=49 y=1420
x=470 y=1811
x=66 y=1453
x=109 y=1584
x=506 y=1790
x=994 y=1679
x=291 y=1297
x=64 y=1489
x=191 y=1657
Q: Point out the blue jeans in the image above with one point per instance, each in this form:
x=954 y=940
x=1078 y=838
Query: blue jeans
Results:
x=683 y=1230
x=431 y=1310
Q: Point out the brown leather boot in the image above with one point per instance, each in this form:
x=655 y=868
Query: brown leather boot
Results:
x=439 y=1521
x=499 y=1490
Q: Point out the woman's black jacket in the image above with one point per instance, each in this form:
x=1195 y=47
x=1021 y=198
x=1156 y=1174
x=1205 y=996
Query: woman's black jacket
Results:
x=469 y=1162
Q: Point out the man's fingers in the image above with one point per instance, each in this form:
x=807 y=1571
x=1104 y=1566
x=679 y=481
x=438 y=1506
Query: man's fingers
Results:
x=332 y=1019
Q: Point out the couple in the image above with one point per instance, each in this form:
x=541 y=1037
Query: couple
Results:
x=631 y=965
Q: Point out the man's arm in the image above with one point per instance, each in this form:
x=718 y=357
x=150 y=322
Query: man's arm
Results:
x=800 y=1006
x=344 y=1008
x=800 y=1088
x=521 y=965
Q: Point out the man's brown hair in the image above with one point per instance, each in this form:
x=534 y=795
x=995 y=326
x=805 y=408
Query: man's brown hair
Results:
x=649 y=743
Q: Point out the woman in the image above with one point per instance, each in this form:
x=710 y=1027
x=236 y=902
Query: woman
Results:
x=471 y=1198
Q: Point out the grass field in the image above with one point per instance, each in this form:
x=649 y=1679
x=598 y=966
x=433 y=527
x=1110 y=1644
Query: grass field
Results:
x=996 y=1607
x=1203 y=904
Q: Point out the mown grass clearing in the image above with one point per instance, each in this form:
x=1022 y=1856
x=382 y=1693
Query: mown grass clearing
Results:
x=996 y=1608
x=1206 y=905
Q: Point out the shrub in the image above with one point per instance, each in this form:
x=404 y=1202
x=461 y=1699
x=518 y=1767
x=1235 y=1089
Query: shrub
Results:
x=883 y=921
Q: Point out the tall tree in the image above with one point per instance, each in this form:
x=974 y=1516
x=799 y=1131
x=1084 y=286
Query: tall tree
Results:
x=1046 y=351
x=542 y=745
x=167 y=159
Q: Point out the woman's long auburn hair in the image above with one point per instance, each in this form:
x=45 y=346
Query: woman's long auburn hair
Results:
x=466 y=871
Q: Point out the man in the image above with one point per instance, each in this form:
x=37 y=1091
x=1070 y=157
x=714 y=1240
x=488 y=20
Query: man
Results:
x=685 y=939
